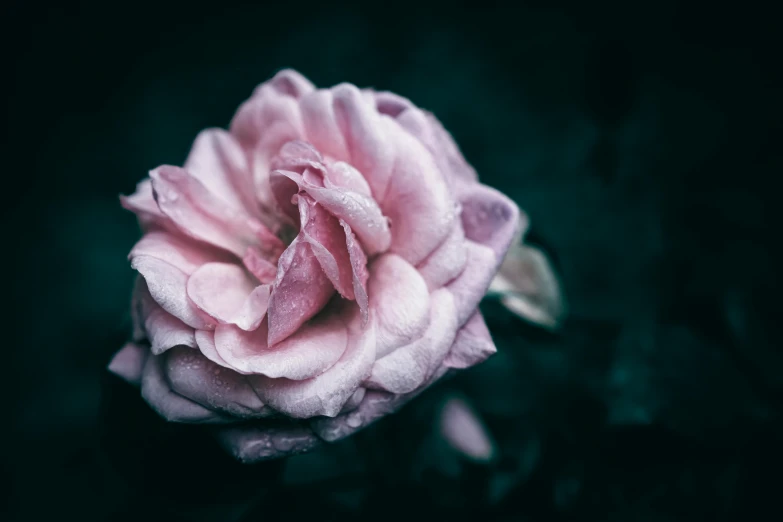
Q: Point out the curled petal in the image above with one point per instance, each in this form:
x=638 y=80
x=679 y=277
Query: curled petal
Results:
x=205 y=340
x=490 y=218
x=167 y=284
x=314 y=348
x=327 y=393
x=300 y=291
x=168 y=404
x=286 y=82
x=194 y=377
x=327 y=241
x=472 y=345
x=406 y=368
x=227 y=293
x=142 y=203
x=359 y=273
x=269 y=440
x=162 y=329
x=220 y=164
x=181 y=252
x=400 y=301
x=447 y=261
x=128 y=363
x=390 y=104
x=469 y=288
x=362 y=213
x=342 y=175
x=202 y=216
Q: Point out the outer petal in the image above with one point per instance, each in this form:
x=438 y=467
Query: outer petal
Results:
x=400 y=302
x=472 y=345
x=447 y=261
x=142 y=203
x=407 y=368
x=359 y=273
x=170 y=405
x=469 y=288
x=327 y=393
x=193 y=376
x=220 y=164
x=314 y=348
x=205 y=339
x=490 y=218
x=320 y=123
x=417 y=193
x=375 y=405
x=202 y=216
x=267 y=440
x=162 y=329
x=286 y=82
x=227 y=293
x=181 y=252
x=128 y=363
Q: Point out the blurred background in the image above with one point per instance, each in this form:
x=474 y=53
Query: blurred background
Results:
x=642 y=140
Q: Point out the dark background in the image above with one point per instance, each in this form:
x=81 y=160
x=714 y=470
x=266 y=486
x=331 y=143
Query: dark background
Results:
x=644 y=143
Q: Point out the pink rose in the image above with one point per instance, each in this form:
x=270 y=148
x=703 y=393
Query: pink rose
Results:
x=312 y=268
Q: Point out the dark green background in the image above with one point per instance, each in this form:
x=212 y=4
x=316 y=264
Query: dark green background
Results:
x=643 y=141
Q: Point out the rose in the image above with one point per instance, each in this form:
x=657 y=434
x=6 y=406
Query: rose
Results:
x=311 y=269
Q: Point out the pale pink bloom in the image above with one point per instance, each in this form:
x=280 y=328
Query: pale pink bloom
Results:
x=321 y=263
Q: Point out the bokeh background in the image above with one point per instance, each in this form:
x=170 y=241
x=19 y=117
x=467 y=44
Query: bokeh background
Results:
x=641 y=138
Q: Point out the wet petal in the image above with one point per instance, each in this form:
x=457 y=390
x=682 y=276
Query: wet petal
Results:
x=168 y=404
x=268 y=440
x=204 y=217
x=406 y=368
x=399 y=298
x=162 y=329
x=359 y=273
x=360 y=212
x=227 y=293
x=327 y=393
x=300 y=291
x=472 y=345
x=220 y=164
x=311 y=350
x=194 y=377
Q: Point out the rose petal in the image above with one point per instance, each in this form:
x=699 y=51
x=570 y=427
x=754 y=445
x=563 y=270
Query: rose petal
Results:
x=472 y=345
x=194 y=377
x=406 y=368
x=168 y=404
x=202 y=216
x=359 y=273
x=490 y=218
x=286 y=82
x=462 y=428
x=327 y=240
x=390 y=104
x=469 y=288
x=327 y=393
x=417 y=193
x=220 y=164
x=320 y=124
x=167 y=285
x=375 y=405
x=163 y=330
x=369 y=149
x=181 y=252
x=128 y=363
x=311 y=350
x=270 y=440
x=300 y=291
x=446 y=262
x=361 y=212
x=399 y=298
x=142 y=203
x=342 y=175
x=227 y=293
x=205 y=340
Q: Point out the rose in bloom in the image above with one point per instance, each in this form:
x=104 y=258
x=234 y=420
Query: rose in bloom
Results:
x=311 y=269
